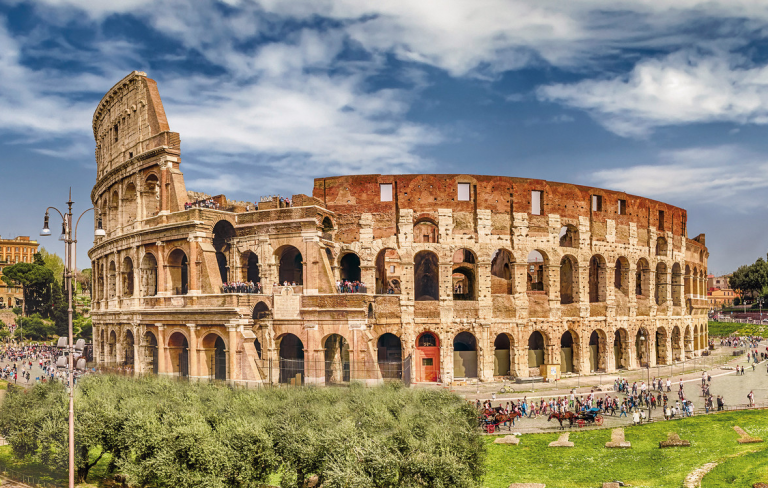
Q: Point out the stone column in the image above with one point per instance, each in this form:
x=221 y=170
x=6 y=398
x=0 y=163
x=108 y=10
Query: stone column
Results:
x=583 y=291
x=232 y=353
x=137 y=362
x=162 y=289
x=164 y=187
x=161 y=368
x=194 y=282
x=193 y=357
x=368 y=276
x=632 y=284
x=552 y=277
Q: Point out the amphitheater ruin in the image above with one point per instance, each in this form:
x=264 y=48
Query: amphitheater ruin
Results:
x=463 y=277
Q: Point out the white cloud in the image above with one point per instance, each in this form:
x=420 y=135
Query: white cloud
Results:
x=680 y=88
x=702 y=175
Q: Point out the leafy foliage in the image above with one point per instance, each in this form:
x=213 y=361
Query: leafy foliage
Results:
x=164 y=433
x=34 y=279
x=54 y=263
x=35 y=328
x=751 y=279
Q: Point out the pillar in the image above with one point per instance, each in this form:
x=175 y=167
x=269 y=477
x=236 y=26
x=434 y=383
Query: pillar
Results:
x=161 y=368
x=193 y=357
x=161 y=271
x=232 y=353
x=194 y=282
x=368 y=276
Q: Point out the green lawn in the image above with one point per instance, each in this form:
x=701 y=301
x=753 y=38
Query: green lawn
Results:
x=590 y=463
x=722 y=329
x=30 y=468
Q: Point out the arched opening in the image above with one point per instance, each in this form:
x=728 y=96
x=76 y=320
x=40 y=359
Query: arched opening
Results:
x=502 y=273
x=127 y=276
x=597 y=347
x=677 y=345
x=536 y=278
x=148 y=275
x=661 y=346
x=370 y=312
x=535 y=349
x=661 y=246
x=426 y=273
x=677 y=285
x=128 y=353
x=621 y=276
x=388 y=272
x=291 y=360
x=250 y=263
x=102 y=345
x=660 y=293
x=130 y=203
x=642 y=347
x=425 y=232
x=112 y=276
x=503 y=356
x=150 y=196
x=150 y=352
x=465 y=356
x=112 y=347
x=114 y=211
x=463 y=280
x=428 y=357
x=178 y=266
x=390 y=356
x=596 y=279
x=215 y=362
x=569 y=236
x=566 y=352
x=261 y=311
x=350 y=267
x=620 y=355
x=223 y=233
x=291 y=269
x=327 y=229
x=178 y=349
x=643 y=279
x=336 y=360
x=568 y=280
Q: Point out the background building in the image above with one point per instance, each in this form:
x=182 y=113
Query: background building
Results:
x=18 y=250
x=465 y=276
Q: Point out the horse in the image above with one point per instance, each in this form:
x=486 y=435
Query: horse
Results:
x=569 y=416
x=503 y=418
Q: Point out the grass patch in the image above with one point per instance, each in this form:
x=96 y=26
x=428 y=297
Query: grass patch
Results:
x=740 y=471
x=589 y=463
x=724 y=329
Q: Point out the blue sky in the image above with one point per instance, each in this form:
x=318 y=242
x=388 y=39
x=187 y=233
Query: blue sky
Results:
x=664 y=99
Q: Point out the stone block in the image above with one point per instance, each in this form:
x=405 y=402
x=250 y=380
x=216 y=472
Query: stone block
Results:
x=562 y=441
x=617 y=440
x=507 y=439
x=674 y=440
x=745 y=438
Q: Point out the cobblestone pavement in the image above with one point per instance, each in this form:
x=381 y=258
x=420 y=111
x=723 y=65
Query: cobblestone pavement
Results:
x=720 y=366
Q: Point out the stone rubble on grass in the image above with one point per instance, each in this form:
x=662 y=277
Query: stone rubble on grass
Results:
x=617 y=440
x=760 y=485
x=527 y=485
x=562 y=441
x=745 y=438
x=693 y=480
x=507 y=439
x=674 y=440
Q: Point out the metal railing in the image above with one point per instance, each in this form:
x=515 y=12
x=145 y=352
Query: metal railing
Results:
x=28 y=479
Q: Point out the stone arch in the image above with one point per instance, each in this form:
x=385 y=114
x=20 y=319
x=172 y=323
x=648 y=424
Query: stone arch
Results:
x=621 y=275
x=660 y=293
x=112 y=347
x=249 y=262
x=502 y=272
x=661 y=246
x=427 y=357
x=677 y=285
x=261 y=311
x=662 y=356
x=620 y=349
x=537 y=349
x=643 y=279
x=677 y=344
x=215 y=349
x=178 y=267
x=390 y=356
x=151 y=195
x=127 y=347
x=569 y=236
x=465 y=355
x=642 y=347
x=504 y=355
x=148 y=275
x=130 y=203
x=569 y=281
x=464 y=275
x=112 y=279
x=597 y=269
x=327 y=228
x=598 y=347
x=426 y=231
x=126 y=272
x=178 y=351
x=426 y=276
x=291 y=358
x=569 y=352
x=290 y=265
x=337 y=365
x=149 y=343
x=688 y=341
x=114 y=210
x=537 y=279
x=223 y=233
x=349 y=267
x=388 y=268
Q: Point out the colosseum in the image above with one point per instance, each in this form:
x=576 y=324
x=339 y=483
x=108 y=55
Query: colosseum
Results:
x=453 y=277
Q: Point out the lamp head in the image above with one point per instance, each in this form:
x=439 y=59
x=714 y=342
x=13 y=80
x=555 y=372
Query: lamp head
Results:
x=99 y=232
x=46 y=231
x=63 y=235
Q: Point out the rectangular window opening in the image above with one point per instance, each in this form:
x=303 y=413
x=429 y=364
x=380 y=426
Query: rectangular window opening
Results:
x=392 y=269
x=597 y=203
x=463 y=192
x=426 y=361
x=661 y=219
x=622 y=207
x=536 y=202
x=386 y=192
x=116 y=133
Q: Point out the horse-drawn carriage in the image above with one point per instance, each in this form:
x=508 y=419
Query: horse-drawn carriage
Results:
x=589 y=416
x=492 y=418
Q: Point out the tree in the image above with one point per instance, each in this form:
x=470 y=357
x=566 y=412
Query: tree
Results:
x=54 y=263
x=750 y=279
x=34 y=280
x=83 y=278
x=35 y=328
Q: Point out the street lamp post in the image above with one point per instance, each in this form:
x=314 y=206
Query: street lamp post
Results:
x=69 y=236
x=648 y=367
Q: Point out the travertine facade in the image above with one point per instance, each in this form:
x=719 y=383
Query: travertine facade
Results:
x=467 y=276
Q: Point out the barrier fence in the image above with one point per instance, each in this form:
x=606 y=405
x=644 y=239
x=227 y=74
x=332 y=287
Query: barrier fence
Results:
x=28 y=479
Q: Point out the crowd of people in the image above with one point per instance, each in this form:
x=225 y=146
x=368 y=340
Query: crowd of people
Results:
x=18 y=361
x=241 y=287
x=345 y=286
x=207 y=203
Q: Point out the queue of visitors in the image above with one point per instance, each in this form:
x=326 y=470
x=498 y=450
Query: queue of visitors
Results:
x=240 y=287
x=344 y=286
x=207 y=203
